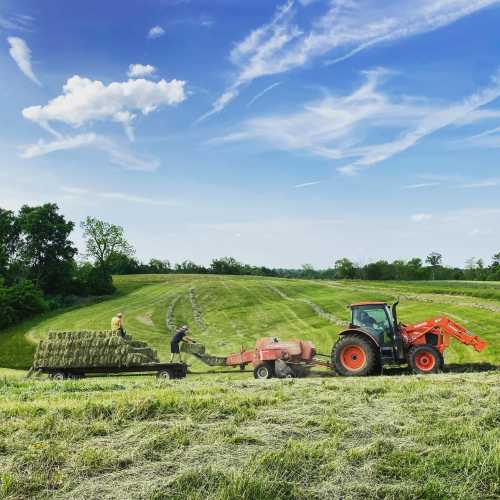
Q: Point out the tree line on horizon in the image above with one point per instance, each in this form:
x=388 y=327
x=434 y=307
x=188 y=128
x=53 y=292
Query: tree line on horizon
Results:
x=40 y=271
x=399 y=270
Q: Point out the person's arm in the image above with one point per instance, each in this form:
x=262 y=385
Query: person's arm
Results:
x=188 y=339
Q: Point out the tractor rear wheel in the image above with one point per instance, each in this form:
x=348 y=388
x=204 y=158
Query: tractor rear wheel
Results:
x=425 y=359
x=354 y=355
x=264 y=370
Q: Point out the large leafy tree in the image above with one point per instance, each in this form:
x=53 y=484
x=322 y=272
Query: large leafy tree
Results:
x=104 y=240
x=495 y=260
x=158 y=266
x=9 y=239
x=344 y=269
x=45 y=249
x=226 y=265
x=434 y=259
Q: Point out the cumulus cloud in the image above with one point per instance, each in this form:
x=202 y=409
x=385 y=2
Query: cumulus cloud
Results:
x=140 y=70
x=337 y=127
x=117 y=155
x=344 y=29
x=84 y=101
x=156 y=32
x=21 y=53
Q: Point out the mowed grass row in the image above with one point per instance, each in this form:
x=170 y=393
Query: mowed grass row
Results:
x=226 y=312
x=406 y=437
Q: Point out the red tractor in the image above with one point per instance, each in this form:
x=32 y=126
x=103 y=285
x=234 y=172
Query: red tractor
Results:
x=374 y=338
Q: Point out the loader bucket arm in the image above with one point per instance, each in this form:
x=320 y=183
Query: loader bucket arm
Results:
x=444 y=328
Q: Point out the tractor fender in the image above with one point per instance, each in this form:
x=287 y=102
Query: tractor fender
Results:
x=362 y=332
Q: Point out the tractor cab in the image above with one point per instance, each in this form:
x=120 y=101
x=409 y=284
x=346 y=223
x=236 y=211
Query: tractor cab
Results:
x=380 y=322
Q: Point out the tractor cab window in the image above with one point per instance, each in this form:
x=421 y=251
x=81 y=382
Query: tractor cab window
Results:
x=374 y=319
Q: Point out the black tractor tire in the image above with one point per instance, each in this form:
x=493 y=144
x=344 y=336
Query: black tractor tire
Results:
x=355 y=356
x=425 y=359
x=264 y=370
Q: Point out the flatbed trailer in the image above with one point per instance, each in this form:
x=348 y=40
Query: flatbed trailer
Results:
x=163 y=370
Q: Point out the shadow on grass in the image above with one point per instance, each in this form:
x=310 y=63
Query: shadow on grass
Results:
x=471 y=367
x=388 y=371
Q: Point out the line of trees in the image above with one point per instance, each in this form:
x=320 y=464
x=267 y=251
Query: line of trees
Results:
x=414 y=269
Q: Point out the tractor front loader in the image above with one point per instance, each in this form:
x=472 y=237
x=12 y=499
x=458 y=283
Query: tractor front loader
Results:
x=374 y=338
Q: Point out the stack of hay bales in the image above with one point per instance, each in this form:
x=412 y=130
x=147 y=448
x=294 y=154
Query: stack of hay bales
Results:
x=91 y=349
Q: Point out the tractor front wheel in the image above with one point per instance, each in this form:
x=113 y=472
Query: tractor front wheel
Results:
x=355 y=355
x=425 y=359
x=264 y=370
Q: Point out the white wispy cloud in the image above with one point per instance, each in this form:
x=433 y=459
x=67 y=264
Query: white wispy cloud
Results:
x=306 y=184
x=344 y=29
x=422 y=217
x=117 y=155
x=336 y=127
x=84 y=100
x=17 y=22
x=129 y=198
x=484 y=183
x=156 y=32
x=422 y=185
x=21 y=53
x=260 y=94
x=140 y=70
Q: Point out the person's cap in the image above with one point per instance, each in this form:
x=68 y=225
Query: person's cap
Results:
x=184 y=327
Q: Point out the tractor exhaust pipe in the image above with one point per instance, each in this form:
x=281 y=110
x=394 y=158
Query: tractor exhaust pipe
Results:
x=395 y=312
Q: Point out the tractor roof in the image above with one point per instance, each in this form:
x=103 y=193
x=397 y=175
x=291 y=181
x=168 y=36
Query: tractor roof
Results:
x=356 y=304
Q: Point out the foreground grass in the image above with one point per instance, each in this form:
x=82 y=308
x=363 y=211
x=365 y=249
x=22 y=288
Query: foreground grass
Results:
x=225 y=312
x=401 y=437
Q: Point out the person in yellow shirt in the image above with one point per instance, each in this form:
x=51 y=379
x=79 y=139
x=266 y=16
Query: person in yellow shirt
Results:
x=117 y=324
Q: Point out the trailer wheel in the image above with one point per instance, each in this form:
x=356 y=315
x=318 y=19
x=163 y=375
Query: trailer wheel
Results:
x=59 y=376
x=164 y=375
x=355 y=355
x=425 y=359
x=264 y=370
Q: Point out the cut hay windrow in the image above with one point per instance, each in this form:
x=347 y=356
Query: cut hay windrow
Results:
x=78 y=349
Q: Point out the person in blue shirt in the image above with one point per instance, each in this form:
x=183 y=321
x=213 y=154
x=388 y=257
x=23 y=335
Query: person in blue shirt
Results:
x=179 y=336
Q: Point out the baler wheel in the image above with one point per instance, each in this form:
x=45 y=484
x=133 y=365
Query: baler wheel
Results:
x=354 y=355
x=425 y=359
x=264 y=371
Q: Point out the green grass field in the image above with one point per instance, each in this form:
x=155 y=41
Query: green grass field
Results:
x=399 y=437
x=225 y=312
x=226 y=436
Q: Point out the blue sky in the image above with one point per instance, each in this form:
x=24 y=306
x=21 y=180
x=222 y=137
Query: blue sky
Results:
x=280 y=133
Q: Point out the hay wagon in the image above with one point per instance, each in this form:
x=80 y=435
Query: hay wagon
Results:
x=74 y=354
x=163 y=370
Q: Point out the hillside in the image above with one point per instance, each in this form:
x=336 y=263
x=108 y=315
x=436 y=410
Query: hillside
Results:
x=225 y=436
x=225 y=312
